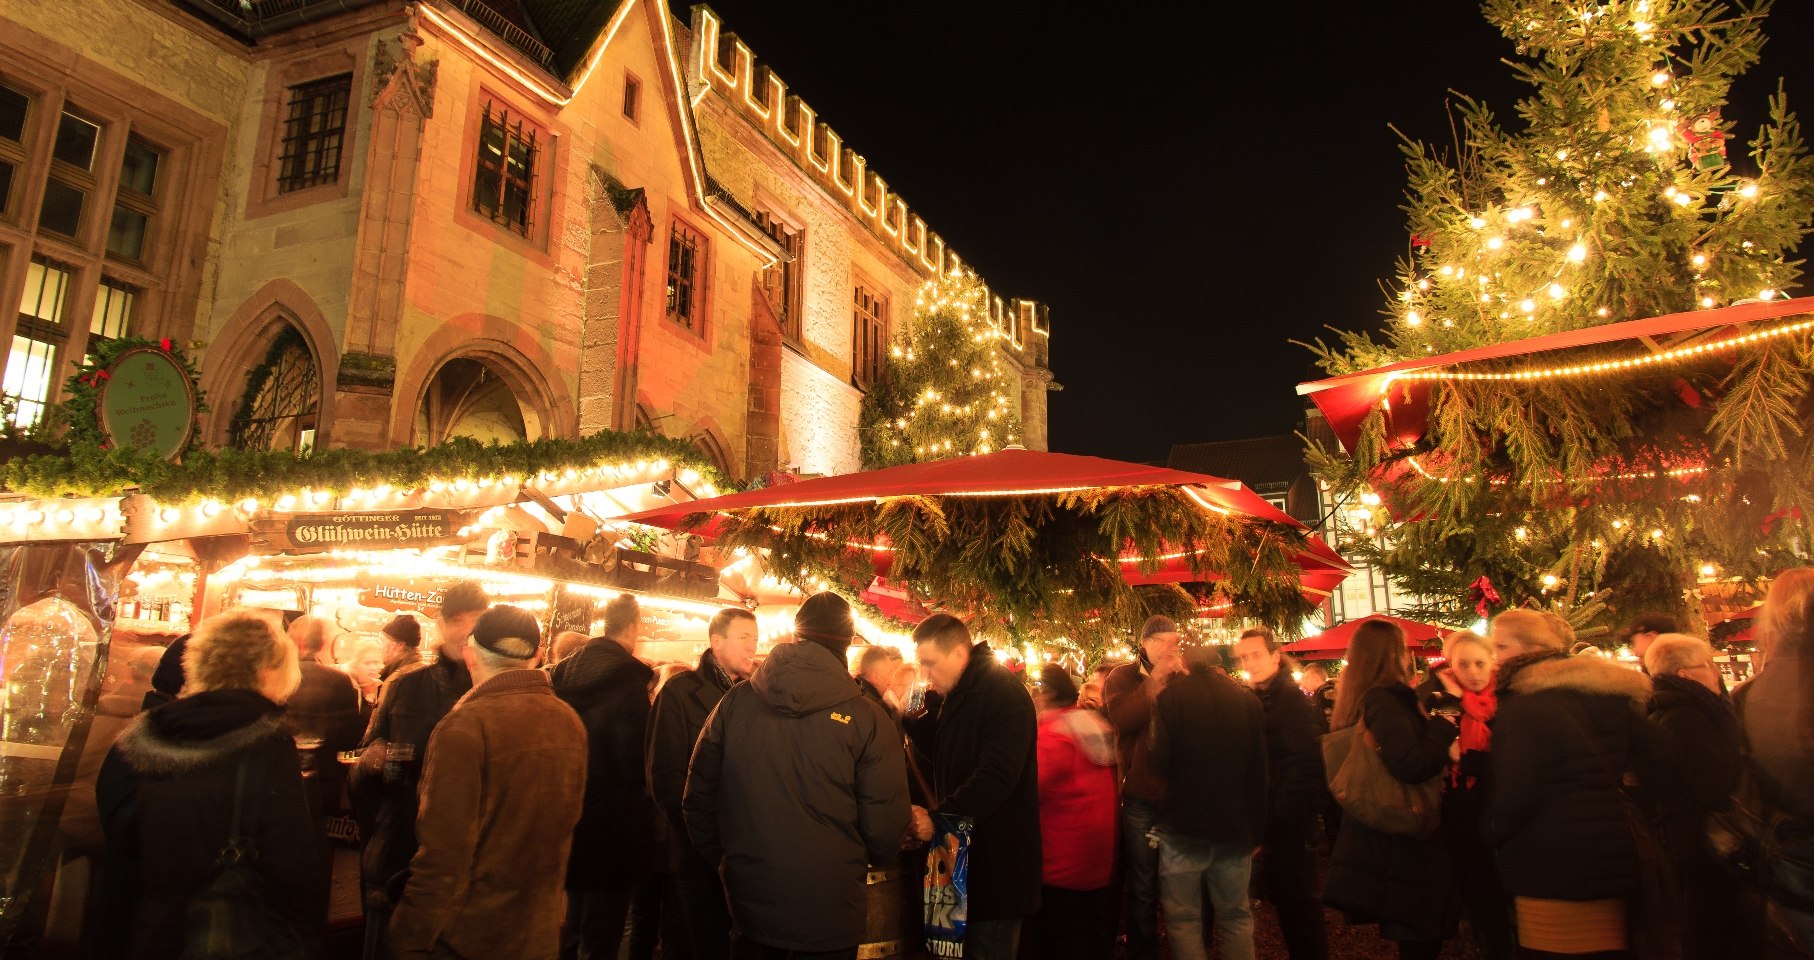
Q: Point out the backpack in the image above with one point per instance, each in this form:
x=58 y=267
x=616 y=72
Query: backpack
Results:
x=230 y=917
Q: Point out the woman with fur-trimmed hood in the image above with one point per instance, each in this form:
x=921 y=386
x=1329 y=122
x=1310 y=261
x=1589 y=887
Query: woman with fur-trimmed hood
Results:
x=1567 y=731
x=166 y=794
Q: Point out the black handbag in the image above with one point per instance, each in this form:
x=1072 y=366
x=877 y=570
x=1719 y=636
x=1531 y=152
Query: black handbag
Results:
x=231 y=918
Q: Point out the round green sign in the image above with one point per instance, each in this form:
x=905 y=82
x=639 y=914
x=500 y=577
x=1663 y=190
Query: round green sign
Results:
x=147 y=403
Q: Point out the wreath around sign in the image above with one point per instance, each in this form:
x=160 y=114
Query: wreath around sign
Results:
x=79 y=411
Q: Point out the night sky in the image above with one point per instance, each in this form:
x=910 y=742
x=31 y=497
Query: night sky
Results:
x=1188 y=189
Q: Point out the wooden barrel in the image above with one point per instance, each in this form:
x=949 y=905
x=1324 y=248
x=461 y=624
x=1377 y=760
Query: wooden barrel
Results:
x=893 y=927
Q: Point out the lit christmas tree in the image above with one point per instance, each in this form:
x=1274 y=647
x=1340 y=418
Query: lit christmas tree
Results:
x=1616 y=201
x=946 y=392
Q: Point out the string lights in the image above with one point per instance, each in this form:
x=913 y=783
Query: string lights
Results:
x=1604 y=366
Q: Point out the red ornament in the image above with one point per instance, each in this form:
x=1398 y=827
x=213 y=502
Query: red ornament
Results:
x=1689 y=395
x=1484 y=596
x=1706 y=141
x=1419 y=242
x=164 y=344
x=1787 y=513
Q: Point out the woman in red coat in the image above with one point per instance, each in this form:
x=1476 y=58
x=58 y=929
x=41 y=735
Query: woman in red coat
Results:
x=1077 y=818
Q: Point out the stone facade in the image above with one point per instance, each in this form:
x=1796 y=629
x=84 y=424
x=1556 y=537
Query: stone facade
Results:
x=414 y=291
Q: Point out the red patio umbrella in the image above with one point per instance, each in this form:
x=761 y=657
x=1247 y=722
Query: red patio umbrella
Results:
x=1016 y=473
x=1335 y=640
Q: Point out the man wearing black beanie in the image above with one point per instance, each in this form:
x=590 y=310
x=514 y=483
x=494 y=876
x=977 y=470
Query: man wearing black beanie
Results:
x=799 y=745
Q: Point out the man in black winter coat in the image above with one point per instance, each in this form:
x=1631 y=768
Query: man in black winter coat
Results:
x=980 y=730
x=326 y=709
x=614 y=845
x=395 y=748
x=797 y=786
x=680 y=712
x=1209 y=747
x=1295 y=793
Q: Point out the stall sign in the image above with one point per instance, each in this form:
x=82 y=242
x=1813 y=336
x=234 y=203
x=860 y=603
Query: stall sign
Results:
x=147 y=403
x=393 y=530
x=395 y=593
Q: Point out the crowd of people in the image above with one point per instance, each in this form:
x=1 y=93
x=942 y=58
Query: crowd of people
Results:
x=1560 y=804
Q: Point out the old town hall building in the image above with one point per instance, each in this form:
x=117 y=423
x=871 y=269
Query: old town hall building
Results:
x=382 y=224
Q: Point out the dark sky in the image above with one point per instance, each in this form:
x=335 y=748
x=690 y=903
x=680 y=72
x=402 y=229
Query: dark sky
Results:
x=1189 y=189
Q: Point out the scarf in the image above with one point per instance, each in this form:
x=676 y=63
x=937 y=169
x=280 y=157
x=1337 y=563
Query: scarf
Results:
x=1477 y=710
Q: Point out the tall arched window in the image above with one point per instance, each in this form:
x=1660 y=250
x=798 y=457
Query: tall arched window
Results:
x=708 y=444
x=468 y=398
x=278 y=409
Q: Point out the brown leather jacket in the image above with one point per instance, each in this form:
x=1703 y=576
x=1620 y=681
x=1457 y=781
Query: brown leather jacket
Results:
x=500 y=796
x=1128 y=703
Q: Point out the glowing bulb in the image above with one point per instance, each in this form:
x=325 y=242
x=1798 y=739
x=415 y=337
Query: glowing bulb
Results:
x=1683 y=199
x=66 y=516
x=1521 y=534
x=1562 y=154
x=1494 y=243
x=1656 y=534
x=1528 y=306
x=1556 y=292
x=1618 y=524
x=1604 y=312
x=211 y=509
x=1660 y=137
x=167 y=515
x=1599 y=196
x=1766 y=294
x=1667 y=104
x=1706 y=301
x=1550 y=581
x=1412 y=318
x=1700 y=259
x=1577 y=253
x=1477 y=222
x=1447 y=270
x=1659 y=78
x=1707 y=570
x=1748 y=191
x=96 y=515
x=1641 y=27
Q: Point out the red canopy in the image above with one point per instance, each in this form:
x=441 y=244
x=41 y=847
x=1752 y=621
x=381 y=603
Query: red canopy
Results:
x=1335 y=640
x=1347 y=400
x=1013 y=473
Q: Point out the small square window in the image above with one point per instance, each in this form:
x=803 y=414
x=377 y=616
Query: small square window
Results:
x=76 y=140
x=504 y=172
x=632 y=99
x=13 y=109
x=62 y=210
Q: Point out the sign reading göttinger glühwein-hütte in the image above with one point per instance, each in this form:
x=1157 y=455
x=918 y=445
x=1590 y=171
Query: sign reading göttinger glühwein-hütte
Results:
x=389 y=530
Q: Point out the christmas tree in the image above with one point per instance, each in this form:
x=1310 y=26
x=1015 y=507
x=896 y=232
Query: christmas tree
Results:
x=945 y=392
x=1616 y=197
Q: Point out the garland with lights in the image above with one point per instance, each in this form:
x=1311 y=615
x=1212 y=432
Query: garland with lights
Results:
x=1034 y=567
x=233 y=474
x=1616 y=201
x=945 y=391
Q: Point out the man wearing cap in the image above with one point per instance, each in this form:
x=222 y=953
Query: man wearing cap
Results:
x=390 y=764
x=500 y=794
x=614 y=846
x=402 y=646
x=798 y=785
x=1128 y=696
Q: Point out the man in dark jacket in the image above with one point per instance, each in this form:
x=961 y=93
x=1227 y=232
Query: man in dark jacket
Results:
x=614 y=845
x=876 y=669
x=679 y=714
x=325 y=709
x=396 y=744
x=402 y=646
x=981 y=732
x=797 y=786
x=1127 y=696
x=1209 y=746
x=500 y=793
x=1295 y=793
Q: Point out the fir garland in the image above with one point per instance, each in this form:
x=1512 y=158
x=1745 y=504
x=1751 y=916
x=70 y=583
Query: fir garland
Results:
x=78 y=413
x=1040 y=566
x=234 y=474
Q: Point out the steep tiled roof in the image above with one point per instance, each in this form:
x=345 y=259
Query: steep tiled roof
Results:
x=1255 y=461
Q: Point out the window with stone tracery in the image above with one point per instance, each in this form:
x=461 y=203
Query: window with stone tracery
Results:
x=281 y=399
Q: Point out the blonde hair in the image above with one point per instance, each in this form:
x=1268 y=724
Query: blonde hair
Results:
x=1463 y=638
x=1673 y=651
x=1534 y=630
x=232 y=651
x=1787 y=618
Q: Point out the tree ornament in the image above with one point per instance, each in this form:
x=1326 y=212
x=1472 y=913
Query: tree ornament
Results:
x=1706 y=141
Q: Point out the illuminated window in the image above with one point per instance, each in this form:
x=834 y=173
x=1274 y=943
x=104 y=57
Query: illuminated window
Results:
x=314 y=132
x=113 y=307
x=135 y=203
x=32 y=362
x=505 y=173
x=632 y=99
x=781 y=282
x=686 y=277
x=14 y=108
x=869 y=338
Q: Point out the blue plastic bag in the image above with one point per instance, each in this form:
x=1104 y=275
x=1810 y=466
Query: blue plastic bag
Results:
x=945 y=899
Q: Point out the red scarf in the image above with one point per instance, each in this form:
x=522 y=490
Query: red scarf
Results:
x=1477 y=711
